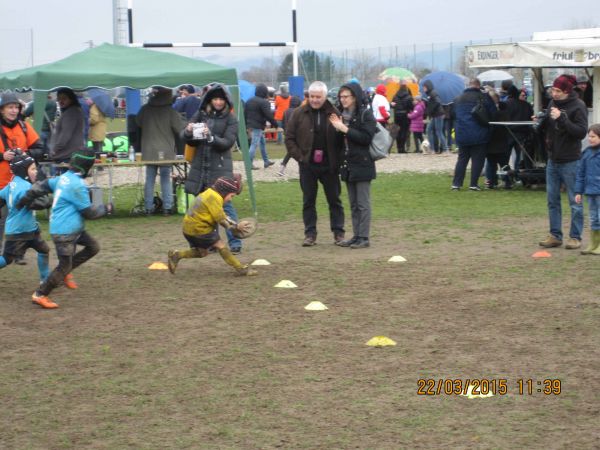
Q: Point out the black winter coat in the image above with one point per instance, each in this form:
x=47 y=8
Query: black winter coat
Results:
x=258 y=110
x=212 y=160
x=358 y=165
x=499 y=137
x=403 y=103
x=434 y=103
x=563 y=136
x=519 y=110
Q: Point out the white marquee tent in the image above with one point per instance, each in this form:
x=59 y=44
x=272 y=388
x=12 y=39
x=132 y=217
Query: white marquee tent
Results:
x=564 y=49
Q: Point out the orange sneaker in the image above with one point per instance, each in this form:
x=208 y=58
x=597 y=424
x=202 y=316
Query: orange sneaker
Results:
x=43 y=301
x=70 y=282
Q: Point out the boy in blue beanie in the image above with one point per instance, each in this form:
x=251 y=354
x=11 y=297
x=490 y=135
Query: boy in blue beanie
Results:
x=22 y=230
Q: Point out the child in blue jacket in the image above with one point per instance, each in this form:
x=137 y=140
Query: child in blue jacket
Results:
x=70 y=206
x=22 y=230
x=588 y=183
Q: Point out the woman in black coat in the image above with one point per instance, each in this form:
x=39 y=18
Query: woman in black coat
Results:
x=402 y=104
x=358 y=126
x=498 y=149
x=213 y=147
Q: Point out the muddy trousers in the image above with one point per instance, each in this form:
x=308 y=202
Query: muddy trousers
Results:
x=68 y=258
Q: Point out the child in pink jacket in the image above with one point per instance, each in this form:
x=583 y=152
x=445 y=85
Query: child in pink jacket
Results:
x=417 y=126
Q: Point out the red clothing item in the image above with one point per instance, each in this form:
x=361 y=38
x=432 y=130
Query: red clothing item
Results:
x=16 y=139
x=281 y=106
x=384 y=114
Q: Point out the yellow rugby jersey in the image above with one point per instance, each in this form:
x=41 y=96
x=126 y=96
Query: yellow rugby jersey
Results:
x=205 y=214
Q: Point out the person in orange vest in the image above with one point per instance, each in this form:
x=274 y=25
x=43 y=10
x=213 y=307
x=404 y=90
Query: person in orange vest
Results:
x=282 y=103
x=15 y=134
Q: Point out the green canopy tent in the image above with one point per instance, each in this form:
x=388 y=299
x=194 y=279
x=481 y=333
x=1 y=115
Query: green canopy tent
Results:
x=110 y=66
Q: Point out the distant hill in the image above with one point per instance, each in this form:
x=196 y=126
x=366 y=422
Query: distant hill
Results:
x=441 y=59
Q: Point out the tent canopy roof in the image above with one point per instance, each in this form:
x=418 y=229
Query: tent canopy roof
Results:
x=550 y=49
x=109 y=66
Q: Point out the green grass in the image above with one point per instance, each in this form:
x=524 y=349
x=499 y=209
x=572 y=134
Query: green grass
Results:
x=405 y=196
x=139 y=359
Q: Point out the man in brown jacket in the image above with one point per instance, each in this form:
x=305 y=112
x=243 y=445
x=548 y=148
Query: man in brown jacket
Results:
x=317 y=146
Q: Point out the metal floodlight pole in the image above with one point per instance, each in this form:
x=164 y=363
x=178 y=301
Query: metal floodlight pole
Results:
x=295 y=39
x=130 y=19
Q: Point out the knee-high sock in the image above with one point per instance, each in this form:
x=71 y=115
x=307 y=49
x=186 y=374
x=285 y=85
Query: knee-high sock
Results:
x=42 y=261
x=192 y=253
x=230 y=259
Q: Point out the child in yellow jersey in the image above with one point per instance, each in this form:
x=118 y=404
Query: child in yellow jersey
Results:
x=200 y=226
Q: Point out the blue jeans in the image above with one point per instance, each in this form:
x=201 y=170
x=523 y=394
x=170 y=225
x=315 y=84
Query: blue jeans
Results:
x=166 y=188
x=448 y=126
x=557 y=174
x=594 y=204
x=232 y=241
x=280 y=133
x=436 y=128
x=258 y=138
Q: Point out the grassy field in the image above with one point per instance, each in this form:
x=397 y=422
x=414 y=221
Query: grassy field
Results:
x=205 y=360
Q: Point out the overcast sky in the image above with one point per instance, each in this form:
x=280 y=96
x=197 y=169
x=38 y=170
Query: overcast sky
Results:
x=62 y=27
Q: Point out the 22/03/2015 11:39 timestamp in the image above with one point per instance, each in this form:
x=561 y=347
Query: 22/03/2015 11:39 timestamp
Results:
x=485 y=386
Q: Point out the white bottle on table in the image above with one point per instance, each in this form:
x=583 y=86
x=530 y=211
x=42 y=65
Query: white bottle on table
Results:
x=131 y=153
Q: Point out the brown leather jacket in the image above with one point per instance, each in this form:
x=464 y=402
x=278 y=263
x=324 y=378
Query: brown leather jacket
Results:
x=299 y=136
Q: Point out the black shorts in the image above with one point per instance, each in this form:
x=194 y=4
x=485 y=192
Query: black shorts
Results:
x=204 y=240
x=17 y=248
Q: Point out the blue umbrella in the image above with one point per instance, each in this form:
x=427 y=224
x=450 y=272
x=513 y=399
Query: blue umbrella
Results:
x=247 y=90
x=448 y=85
x=103 y=101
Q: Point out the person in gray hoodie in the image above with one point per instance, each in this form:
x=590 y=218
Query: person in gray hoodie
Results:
x=160 y=125
x=68 y=134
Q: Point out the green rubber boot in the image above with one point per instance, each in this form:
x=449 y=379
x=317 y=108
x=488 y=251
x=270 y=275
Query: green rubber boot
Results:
x=594 y=241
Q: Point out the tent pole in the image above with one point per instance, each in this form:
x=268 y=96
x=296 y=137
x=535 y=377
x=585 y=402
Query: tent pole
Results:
x=538 y=89
x=39 y=106
x=596 y=99
x=243 y=139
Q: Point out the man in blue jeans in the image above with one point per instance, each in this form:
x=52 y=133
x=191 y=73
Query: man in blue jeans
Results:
x=435 y=112
x=564 y=128
x=258 y=113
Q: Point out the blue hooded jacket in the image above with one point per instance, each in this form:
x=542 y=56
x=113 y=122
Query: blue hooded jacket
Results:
x=467 y=129
x=588 y=172
x=19 y=220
